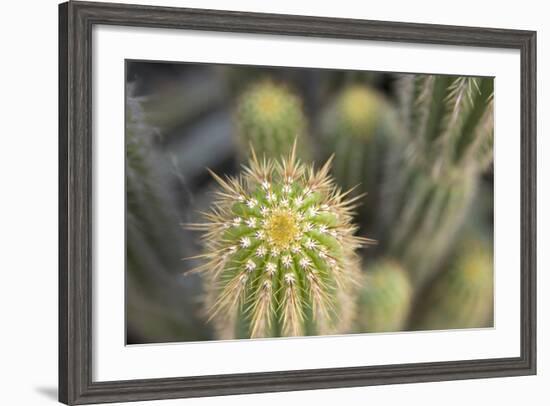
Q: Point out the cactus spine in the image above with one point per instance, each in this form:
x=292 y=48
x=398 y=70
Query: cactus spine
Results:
x=462 y=296
x=356 y=127
x=280 y=252
x=449 y=123
x=270 y=118
x=385 y=298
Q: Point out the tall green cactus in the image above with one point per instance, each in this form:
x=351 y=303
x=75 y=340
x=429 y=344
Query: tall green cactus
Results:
x=149 y=211
x=270 y=118
x=449 y=122
x=357 y=127
x=160 y=307
x=462 y=295
x=280 y=252
x=385 y=298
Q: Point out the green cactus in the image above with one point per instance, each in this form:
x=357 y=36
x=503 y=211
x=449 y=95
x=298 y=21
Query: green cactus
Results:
x=159 y=307
x=149 y=211
x=462 y=295
x=280 y=252
x=357 y=127
x=385 y=298
x=449 y=122
x=270 y=118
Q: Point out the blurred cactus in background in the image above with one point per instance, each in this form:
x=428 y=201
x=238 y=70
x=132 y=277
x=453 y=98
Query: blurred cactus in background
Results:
x=449 y=123
x=357 y=127
x=280 y=252
x=462 y=295
x=270 y=118
x=385 y=298
x=159 y=307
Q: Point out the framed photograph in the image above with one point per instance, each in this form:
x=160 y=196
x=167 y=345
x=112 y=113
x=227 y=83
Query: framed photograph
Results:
x=258 y=203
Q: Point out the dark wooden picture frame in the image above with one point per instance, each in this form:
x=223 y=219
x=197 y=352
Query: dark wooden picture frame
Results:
x=76 y=20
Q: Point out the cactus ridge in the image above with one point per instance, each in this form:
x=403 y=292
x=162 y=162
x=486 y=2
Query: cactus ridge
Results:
x=280 y=251
x=270 y=117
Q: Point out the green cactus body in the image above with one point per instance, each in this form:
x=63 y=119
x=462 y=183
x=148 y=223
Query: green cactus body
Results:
x=385 y=298
x=149 y=212
x=280 y=253
x=356 y=128
x=431 y=213
x=435 y=172
x=270 y=118
x=462 y=295
x=153 y=249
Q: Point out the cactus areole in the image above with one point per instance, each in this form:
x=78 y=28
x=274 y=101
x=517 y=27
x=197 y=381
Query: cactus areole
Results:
x=280 y=252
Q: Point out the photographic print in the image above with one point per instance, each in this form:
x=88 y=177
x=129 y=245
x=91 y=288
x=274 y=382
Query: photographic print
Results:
x=331 y=191
x=268 y=202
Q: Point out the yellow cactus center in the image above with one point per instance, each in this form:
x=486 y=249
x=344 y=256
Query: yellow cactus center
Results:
x=269 y=105
x=360 y=108
x=475 y=264
x=282 y=229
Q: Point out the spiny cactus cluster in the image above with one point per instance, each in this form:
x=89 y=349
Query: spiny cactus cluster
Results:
x=357 y=127
x=270 y=118
x=280 y=252
x=462 y=295
x=449 y=122
x=385 y=298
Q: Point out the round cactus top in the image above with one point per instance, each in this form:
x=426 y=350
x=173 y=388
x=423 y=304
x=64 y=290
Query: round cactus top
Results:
x=279 y=243
x=359 y=109
x=476 y=262
x=268 y=103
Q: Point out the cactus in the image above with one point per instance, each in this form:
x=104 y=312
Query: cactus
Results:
x=449 y=123
x=462 y=295
x=356 y=127
x=149 y=210
x=159 y=306
x=449 y=120
x=270 y=118
x=385 y=298
x=429 y=215
x=280 y=252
